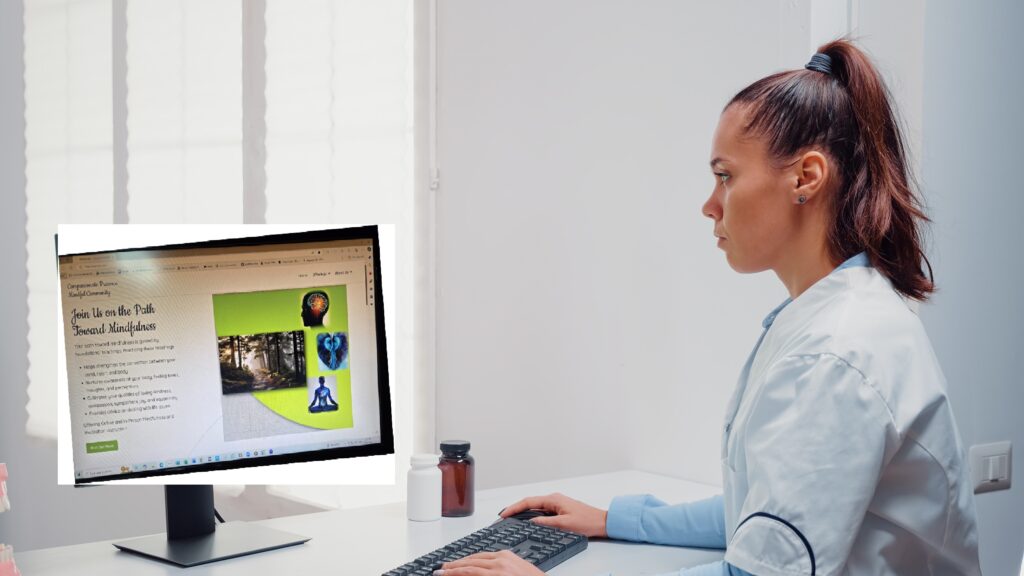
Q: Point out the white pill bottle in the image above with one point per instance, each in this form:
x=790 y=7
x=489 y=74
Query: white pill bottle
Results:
x=423 y=502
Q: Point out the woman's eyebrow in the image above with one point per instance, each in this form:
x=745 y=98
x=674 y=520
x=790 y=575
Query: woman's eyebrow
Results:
x=716 y=160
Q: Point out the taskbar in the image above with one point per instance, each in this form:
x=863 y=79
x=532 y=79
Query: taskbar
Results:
x=255 y=451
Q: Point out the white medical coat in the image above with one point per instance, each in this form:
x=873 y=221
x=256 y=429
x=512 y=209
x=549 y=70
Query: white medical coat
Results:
x=840 y=454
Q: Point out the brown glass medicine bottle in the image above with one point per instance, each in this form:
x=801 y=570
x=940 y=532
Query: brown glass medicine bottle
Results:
x=456 y=478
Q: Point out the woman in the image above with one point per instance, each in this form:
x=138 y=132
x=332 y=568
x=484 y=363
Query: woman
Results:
x=839 y=452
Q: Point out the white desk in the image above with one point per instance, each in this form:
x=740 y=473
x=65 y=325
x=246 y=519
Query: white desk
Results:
x=369 y=541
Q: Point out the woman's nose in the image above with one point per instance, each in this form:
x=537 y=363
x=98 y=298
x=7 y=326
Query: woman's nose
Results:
x=711 y=209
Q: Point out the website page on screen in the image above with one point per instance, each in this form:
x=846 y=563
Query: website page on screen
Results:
x=190 y=356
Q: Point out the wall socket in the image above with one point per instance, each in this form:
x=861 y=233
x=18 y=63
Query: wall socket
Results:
x=991 y=466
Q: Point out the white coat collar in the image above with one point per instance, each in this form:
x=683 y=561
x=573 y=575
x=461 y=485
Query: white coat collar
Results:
x=797 y=312
x=859 y=259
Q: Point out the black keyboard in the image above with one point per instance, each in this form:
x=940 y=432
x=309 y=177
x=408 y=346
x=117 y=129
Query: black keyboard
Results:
x=542 y=546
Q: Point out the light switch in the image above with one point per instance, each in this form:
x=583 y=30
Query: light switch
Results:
x=991 y=466
x=996 y=467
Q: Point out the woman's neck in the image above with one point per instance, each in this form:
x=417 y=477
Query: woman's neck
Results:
x=803 y=266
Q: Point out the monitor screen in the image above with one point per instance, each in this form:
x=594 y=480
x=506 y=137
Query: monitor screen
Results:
x=225 y=354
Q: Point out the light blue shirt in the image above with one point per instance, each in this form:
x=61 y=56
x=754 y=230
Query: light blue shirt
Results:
x=700 y=524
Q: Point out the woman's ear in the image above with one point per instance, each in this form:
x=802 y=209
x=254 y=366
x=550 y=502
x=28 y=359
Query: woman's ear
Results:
x=812 y=171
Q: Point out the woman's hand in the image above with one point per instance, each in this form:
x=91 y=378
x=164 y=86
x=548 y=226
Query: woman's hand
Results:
x=572 y=515
x=504 y=563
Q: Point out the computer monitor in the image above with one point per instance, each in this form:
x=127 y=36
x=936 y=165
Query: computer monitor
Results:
x=224 y=354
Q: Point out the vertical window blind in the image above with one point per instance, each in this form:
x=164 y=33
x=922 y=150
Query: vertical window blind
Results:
x=184 y=103
x=68 y=156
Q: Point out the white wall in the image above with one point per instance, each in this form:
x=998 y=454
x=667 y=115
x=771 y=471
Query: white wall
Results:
x=973 y=123
x=586 y=320
x=579 y=286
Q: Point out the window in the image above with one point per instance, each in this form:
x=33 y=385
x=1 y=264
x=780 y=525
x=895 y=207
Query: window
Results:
x=188 y=111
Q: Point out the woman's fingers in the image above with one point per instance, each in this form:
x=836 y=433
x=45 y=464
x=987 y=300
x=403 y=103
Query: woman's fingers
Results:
x=552 y=521
x=470 y=565
x=464 y=571
x=504 y=563
x=570 y=514
x=471 y=560
x=534 y=502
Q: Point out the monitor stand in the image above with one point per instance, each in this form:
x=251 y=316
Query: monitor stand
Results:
x=193 y=538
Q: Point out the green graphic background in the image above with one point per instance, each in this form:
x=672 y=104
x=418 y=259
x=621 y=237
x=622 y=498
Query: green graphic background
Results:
x=281 y=311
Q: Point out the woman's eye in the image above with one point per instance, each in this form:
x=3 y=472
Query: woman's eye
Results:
x=722 y=177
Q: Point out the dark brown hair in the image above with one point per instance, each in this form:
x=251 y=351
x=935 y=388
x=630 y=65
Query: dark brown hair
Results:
x=849 y=116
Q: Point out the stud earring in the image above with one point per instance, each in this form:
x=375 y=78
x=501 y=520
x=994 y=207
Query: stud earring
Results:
x=801 y=199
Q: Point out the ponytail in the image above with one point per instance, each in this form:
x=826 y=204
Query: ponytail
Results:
x=848 y=113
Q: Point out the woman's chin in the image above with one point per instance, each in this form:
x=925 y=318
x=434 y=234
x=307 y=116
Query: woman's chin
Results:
x=738 y=264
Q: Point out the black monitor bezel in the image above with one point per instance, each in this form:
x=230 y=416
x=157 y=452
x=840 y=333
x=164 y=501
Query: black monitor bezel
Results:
x=387 y=440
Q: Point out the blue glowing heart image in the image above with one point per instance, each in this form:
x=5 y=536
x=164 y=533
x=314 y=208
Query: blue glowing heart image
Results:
x=332 y=350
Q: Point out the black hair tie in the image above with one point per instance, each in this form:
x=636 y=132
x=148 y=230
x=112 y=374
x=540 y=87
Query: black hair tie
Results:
x=820 y=63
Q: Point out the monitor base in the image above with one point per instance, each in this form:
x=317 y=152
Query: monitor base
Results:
x=229 y=540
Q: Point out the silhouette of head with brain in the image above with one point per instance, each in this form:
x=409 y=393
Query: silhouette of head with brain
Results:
x=314 y=307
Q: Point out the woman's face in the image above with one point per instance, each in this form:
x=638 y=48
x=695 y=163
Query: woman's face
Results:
x=752 y=201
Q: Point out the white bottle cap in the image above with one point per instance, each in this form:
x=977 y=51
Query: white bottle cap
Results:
x=424 y=460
